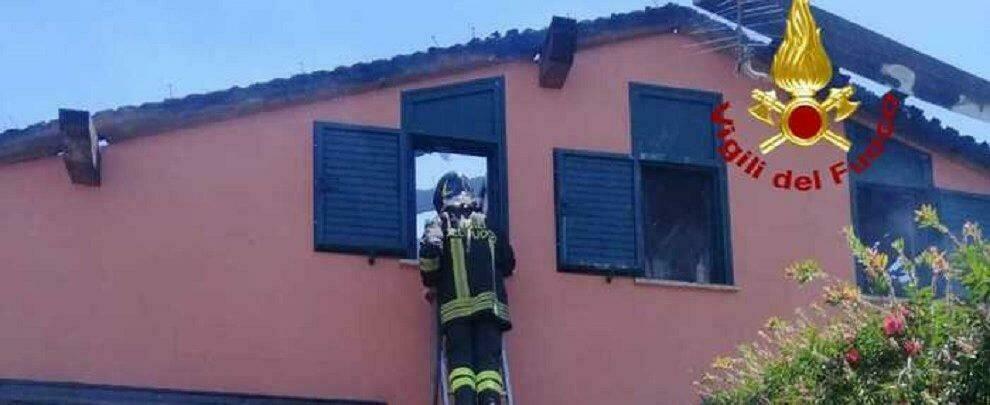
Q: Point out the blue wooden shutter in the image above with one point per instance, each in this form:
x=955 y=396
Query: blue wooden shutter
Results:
x=958 y=208
x=473 y=110
x=358 y=189
x=596 y=213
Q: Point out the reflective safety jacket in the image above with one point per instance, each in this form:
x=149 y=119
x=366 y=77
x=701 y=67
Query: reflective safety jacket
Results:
x=466 y=263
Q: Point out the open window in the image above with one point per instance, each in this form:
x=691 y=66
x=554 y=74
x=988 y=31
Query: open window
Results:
x=681 y=230
x=370 y=183
x=660 y=212
x=431 y=165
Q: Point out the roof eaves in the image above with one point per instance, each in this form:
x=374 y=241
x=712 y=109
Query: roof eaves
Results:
x=40 y=140
x=912 y=125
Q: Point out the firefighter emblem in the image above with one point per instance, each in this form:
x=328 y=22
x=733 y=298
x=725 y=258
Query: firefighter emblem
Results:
x=802 y=68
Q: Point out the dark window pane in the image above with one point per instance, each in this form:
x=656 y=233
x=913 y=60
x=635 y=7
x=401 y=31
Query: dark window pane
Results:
x=885 y=214
x=681 y=230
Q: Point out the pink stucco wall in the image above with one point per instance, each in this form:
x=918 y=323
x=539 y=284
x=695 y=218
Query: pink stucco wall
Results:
x=955 y=175
x=192 y=266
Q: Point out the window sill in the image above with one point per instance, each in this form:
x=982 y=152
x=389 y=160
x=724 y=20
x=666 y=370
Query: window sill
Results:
x=682 y=284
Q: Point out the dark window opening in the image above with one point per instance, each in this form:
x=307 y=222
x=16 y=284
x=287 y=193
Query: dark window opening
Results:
x=680 y=230
x=885 y=214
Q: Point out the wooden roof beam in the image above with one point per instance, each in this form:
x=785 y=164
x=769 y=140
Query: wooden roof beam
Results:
x=557 y=54
x=82 y=147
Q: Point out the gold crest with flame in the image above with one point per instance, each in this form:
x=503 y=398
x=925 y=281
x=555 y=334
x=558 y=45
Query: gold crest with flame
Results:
x=802 y=68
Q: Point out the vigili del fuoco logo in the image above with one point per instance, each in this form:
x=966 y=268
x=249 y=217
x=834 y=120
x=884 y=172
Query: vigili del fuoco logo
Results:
x=802 y=68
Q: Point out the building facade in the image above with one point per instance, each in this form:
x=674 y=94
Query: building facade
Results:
x=217 y=257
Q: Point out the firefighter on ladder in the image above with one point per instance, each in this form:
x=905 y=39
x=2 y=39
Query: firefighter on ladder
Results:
x=463 y=263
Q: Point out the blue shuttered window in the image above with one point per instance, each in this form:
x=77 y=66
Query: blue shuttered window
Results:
x=660 y=212
x=596 y=213
x=884 y=197
x=684 y=202
x=363 y=188
x=359 y=189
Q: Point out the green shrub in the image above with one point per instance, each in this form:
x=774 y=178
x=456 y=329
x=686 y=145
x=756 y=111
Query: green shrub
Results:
x=874 y=350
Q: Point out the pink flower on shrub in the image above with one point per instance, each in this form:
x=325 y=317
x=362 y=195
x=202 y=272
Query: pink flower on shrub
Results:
x=853 y=357
x=912 y=347
x=893 y=325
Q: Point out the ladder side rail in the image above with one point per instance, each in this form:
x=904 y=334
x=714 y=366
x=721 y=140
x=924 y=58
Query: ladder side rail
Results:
x=505 y=373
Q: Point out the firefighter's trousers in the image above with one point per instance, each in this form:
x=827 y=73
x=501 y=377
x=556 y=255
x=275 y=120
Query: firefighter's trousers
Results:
x=474 y=357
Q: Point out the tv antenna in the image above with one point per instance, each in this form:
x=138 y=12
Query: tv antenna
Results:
x=732 y=29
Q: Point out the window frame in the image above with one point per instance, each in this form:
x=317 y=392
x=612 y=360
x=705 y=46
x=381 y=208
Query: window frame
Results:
x=721 y=262
x=723 y=231
x=494 y=150
x=491 y=143
x=714 y=165
x=922 y=238
x=431 y=143
x=925 y=186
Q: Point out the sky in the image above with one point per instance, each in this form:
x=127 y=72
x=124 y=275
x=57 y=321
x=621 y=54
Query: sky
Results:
x=96 y=55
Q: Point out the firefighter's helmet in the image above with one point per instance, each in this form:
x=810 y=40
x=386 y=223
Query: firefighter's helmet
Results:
x=454 y=192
